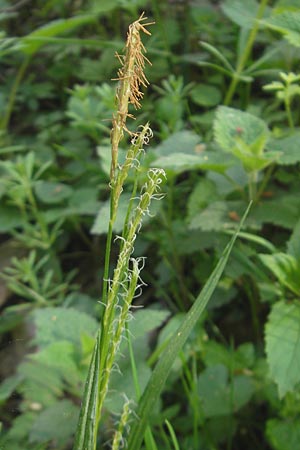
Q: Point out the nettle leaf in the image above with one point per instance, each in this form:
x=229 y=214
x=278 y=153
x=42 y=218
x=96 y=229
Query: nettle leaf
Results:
x=231 y=124
x=100 y=225
x=221 y=396
x=283 y=434
x=61 y=324
x=293 y=244
x=289 y=148
x=51 y=192
x=204 y=193
x=286 y=268
x=218 y=216
x=242 y=13
x=182 y=162
x=287 y=23
x=56 y=423
x=283 y=211
x=282 y=335
x=180 y=142
x=8 y=386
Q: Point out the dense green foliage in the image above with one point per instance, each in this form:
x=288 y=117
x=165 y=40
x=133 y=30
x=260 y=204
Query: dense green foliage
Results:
x=224 y=108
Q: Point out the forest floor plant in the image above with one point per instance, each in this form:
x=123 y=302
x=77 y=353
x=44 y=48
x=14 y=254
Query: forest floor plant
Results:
x=120 y=290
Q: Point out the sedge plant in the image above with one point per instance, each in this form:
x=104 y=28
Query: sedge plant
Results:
x=120 y=290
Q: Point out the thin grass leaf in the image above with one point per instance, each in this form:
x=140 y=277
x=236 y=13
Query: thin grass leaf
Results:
x=164 y=365
x=173 y=435
x=87 y=424
x=214 y=51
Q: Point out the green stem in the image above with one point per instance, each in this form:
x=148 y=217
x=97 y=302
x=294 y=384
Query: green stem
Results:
x=246 y=53
x=13 y=93
x=289 y=113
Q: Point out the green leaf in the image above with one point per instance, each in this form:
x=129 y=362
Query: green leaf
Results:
x=282 y=334
x=289 y=148
x=182 y=162
x=8 y=386
x=31 y=43
x=60 y=356
x=283 y=434
x=287 y=23
x=50 y=192
x=57 y=324
x=180 y=142
x=293 y=244
x=219 y=395
x=286 y=268
x=241 y=13
x=231 y=124
x=164 y=365
x=100 y=225
x=56 y=423
x=10 y=218
x=205 y=95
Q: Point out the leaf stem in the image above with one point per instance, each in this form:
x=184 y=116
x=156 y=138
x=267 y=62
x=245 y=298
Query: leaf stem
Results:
x=245 y=55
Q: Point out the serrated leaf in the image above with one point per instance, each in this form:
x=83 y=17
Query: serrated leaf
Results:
x=56 y=423
x=8 y=386
x=180 y=142
x=231 y=123
x=242 y=13
x=287 y=23
x=293 y=244
x=221 y=396
x=283 y=434
x=289 y=148
x=100 y=225
x=182 y=162
x=50 y=192
x=286 y=268
x=282 y=335
x=56 y=324
x=283 y=211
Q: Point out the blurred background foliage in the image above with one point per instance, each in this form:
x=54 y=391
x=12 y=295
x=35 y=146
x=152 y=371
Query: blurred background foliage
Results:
x=224 y=108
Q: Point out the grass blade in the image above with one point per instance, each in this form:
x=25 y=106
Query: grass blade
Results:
x=163 y=367
x=87 y=424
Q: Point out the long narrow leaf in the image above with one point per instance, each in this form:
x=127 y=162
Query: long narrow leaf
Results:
x=163 y=367
x=87 y=428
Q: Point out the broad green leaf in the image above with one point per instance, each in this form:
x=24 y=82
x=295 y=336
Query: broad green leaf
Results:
x=283 y=434
x=242 y=13
x=100 y=225
x=181 y=142
x=289 y=148
x=219 y=215
x=204 y=193
x=282 y=211
x=10 y=218
x=164 y=365
x=50 y=192
x=61 y=357
x=221 y=396
x=286 y=268
x=231 y=124
x=293 y=244
x=35 y=40
x=182 y=162
x=8 y=386
x=56 y=423
x=205 y=95
x=287 y=23
x=56 y=324
x=282 y=334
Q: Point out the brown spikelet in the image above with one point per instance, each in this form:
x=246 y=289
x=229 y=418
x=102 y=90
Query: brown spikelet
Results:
x=131 y=77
